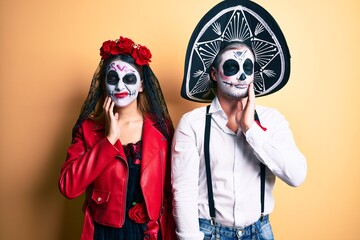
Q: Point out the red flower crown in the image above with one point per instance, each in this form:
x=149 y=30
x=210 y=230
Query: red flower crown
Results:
x=141 y=54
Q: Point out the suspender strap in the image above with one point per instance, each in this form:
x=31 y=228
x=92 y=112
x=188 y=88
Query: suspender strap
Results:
x=207 y=165
x=208 y=170
x=262 y=179
x=262 y=189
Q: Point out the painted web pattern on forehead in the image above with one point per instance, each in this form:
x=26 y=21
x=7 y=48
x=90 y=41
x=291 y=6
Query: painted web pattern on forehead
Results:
x=235 y=24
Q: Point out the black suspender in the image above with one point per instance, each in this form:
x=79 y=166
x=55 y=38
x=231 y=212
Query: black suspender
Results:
x=207 y=165
x=262 y=179
x=208 y=170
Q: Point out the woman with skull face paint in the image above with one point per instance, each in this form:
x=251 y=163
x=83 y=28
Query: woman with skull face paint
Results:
x=119 y=153
x=227 y=155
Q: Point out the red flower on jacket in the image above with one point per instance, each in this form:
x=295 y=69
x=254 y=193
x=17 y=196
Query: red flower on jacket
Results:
x=138 y=213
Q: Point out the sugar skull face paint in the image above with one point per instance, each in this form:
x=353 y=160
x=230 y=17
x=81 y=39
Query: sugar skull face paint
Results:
x=235 y=71
x=123 y=83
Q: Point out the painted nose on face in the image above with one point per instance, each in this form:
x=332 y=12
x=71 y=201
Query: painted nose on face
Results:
x=120 y=85
x=242 y=77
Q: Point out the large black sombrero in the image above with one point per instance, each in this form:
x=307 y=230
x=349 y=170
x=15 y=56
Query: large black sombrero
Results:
x=236 y=21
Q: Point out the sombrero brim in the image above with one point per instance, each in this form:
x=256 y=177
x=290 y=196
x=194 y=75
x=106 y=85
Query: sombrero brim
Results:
x=236 y=21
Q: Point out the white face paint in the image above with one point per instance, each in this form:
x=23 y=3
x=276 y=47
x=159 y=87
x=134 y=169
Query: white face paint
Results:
x=235 y=71
x=123 y=83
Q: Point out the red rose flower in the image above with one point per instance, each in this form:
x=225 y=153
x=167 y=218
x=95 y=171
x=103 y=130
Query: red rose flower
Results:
x=107 y=49
x=142 y=55
x=138 y=213
x=125 y=45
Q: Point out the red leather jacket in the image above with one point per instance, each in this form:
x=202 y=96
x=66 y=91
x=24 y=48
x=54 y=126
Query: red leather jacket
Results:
x=95 y=165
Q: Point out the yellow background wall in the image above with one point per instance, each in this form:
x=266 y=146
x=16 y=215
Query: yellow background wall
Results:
x=49 y=50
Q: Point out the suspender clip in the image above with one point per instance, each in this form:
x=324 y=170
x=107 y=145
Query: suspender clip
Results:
x=212 y=221
x=262 y=217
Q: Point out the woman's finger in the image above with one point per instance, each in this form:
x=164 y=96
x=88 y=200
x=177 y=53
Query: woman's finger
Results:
x=111 y=109
x=107 y=105
x=106 y=102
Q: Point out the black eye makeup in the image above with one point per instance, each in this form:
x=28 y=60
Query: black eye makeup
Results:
x=130 y=79
x=230 y=67
x=112 y=77
x=248 y=67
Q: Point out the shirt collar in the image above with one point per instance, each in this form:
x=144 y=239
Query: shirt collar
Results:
x=219 y=116
x=215 y=108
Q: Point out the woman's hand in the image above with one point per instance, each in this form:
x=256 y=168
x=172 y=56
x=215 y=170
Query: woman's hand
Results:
x=245 y=115
x=112 y=128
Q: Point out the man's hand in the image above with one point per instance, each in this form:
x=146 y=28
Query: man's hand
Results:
x=245 y=114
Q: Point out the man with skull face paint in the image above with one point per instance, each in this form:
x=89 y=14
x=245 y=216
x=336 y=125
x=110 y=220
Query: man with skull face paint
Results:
x=233 y=70
x=120 y=150
x=226 y=156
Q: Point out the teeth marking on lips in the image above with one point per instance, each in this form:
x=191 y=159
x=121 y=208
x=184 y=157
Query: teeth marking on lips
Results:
x=235 y=85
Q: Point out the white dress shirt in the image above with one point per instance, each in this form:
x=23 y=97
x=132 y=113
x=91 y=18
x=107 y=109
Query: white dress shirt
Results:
x=235 y=168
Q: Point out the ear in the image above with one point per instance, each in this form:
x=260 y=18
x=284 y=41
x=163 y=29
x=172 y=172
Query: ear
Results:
x=213 y=74
x=141 y=86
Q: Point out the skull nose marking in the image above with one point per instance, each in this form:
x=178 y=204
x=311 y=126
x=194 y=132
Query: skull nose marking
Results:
x=242 y=77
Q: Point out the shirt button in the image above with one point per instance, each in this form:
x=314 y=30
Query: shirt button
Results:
x=99 y=199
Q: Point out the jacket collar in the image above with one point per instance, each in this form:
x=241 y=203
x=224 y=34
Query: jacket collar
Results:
x=151 y=140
